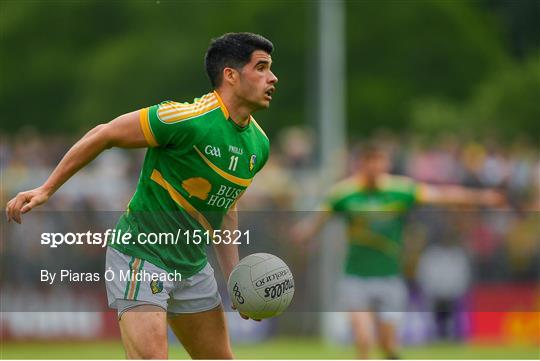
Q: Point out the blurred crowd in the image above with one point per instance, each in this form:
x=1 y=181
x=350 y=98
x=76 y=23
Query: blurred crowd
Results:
x=499 y=244
x=476 y=244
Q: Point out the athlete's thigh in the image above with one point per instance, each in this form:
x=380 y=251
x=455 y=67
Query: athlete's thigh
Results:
x=203 y=334
x=144 y=332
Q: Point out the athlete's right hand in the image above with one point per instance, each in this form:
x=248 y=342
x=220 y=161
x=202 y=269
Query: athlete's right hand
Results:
x=244 y=316
x=25 y=202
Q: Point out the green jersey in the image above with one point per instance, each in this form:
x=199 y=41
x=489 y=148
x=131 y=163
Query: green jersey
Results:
x=198 y=164
x=375 y=221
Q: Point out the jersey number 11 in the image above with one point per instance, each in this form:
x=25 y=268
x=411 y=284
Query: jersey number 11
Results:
x=233 y=163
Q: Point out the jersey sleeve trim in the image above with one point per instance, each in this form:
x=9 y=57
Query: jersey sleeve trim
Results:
x=146 y=129
x=173 y=112
x=181 y=201
x=420 y=194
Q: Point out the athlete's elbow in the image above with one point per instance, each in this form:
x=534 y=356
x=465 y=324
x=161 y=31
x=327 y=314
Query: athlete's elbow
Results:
x=102 y=135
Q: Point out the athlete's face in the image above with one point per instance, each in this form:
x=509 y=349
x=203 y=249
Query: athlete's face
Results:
x=375 y=164
x=257 y=83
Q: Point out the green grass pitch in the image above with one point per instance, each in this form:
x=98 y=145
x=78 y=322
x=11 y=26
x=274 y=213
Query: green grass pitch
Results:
x=279 y=348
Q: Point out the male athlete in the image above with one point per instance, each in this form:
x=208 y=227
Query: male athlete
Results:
x=201 y=157
x=374 y=204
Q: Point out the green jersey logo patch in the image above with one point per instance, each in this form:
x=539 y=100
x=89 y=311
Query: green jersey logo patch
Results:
x=156 y=286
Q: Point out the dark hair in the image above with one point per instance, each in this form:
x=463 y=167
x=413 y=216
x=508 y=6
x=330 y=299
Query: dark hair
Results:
x=369 y=149
x=232 y=50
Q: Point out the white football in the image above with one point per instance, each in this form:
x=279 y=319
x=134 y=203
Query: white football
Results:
x=261 y=286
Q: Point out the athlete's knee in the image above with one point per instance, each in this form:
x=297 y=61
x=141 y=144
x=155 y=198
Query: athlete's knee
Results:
x=152 y=350
x=152 y=346
x=144 y=333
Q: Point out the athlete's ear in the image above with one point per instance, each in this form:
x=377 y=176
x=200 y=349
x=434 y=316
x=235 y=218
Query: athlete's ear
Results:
x=230 y=75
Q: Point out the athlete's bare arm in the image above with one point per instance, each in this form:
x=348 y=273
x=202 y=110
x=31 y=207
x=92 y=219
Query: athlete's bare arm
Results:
x=429 y=194
x=227 y=254
x=124 y=131
x=309 y=227
x=457 y=195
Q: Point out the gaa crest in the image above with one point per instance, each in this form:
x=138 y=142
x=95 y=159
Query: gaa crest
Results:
x=156 y=286
x=252 y=162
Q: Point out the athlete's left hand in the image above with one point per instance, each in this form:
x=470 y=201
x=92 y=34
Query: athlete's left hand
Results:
x=24 y=202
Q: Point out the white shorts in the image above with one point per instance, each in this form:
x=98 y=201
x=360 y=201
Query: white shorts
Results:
x=387 y=296
x=157 y=287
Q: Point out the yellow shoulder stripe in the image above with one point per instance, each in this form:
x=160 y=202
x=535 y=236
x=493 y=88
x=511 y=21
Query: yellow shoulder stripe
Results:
x=244 y=182
x=177 y=114
x=177 y=197
x=172 y=112
x=145 y=126
x=397 y=183
x=420 y=195
x=171 y=107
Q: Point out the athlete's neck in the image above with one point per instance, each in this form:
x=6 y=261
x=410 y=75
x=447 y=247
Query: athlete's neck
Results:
x=369 y=181
x=238 y=112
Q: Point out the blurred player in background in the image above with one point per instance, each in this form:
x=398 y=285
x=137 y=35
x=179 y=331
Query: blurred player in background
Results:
x=374 y=204
x=201 y=157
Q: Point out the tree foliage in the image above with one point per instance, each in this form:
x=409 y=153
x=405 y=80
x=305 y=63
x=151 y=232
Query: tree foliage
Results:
x=66 y=66
x=69 y=65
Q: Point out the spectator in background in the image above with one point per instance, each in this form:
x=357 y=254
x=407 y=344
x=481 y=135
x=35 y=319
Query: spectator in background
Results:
x=444 y=274
x=374 y=205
